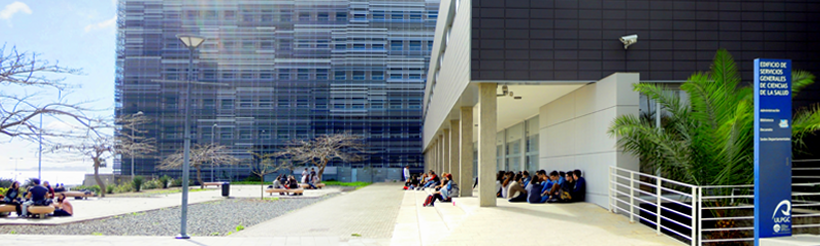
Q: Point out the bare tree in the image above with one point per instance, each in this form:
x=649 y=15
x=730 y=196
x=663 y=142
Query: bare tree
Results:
x=130 y=137
x=266 y=163
x=322 y=149
x=27 y=72
x=99 y=146
x=200 y=154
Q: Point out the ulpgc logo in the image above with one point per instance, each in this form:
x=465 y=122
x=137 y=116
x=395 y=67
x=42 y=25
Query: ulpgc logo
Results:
x=782 y=216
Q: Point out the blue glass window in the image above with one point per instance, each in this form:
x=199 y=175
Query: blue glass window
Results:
x=396 y=45
x=377 y=75
x=339 y=75
x=358 y=75
x=415 y=45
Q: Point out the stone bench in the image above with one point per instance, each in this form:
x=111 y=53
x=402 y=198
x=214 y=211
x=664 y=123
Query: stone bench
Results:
x=286 y=191
x=77 y=194
x=6 y=209
x=41 y=211
x=217 y=184
x=319 y=185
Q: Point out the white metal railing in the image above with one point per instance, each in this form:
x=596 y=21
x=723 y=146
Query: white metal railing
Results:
x=704 y=214
x=628 y=190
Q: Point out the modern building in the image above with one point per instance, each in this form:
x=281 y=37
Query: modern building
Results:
x=291 y=70
x=535 y=84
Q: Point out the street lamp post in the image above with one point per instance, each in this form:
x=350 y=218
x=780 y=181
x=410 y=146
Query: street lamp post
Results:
x=192 y=42
x=212 y=143
x=132 y=154
x=15 y=165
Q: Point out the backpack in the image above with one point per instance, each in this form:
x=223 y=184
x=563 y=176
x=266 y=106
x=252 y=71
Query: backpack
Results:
x=428 y=200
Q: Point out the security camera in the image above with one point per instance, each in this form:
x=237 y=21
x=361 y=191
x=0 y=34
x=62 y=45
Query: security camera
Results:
x=629 y=40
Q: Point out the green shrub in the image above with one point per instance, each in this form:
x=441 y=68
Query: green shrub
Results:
x=165 y=181
x=3 y=190
x=110 y=189
x=137 y=183
x=94 y=188
x=152 y=184
x=176 y=183
x=123 y=188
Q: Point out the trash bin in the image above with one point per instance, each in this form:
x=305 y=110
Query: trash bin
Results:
x=226 y=189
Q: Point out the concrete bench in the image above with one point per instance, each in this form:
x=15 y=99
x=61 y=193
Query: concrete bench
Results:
x=217 y=184
x=77 y=194
x=41 y=211
x=6 y=209
x=286 y=191
x=319 y=185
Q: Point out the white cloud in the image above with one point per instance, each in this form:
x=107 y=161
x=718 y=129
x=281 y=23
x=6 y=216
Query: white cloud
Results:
x=12 y=9
x=101 y=25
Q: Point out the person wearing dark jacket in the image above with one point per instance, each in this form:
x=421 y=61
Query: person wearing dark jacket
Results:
x=579 y=188
x=12 y=197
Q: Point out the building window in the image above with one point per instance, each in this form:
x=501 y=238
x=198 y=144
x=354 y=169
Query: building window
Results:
x=415 y=45
x=230 y=15
x=285 y=17
x=210 y=14
x=322 y=44
x=358 y=46
x=340 y=46
x=416 y=16
x=396 y=75
x=284 y=102
x=227 y=134
x=359 y=17
x=247 y=18
x=341 y=16
x=265 y=103
x=304 y=16
x=415 y=76
x=377 y=75
x=284 y=74
x=396 y=45
x=265 y=76
x=339 y=75
x=321 y=74
x=397 y=15
x=247 y=75
x=245 y=103
x=378 y=15
x=358 y=75
x=266 y=45
x=285 y=45
x=267 y=18
x=322 y=17
x=248 y=45
x=378 y=46
x=303 y=44
x=228 y=75
x=244 y=134
x=302 y=74
x=226 y=104
x=208 y=103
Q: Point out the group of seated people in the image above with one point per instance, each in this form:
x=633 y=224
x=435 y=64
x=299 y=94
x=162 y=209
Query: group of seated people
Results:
x=557 y=187
x=37 y=195
x=285 y=182
x=444 y=189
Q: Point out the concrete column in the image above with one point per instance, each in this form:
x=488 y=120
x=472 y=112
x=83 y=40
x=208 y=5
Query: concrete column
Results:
x=466 y=153
x=440 y=155
x=445 y=164
x=453 y=152
x=486 y=144
x=434 y=148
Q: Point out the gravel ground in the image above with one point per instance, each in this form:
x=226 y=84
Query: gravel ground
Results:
x=218 y=218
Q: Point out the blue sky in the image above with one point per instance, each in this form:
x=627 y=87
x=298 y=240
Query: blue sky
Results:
x=77 y=34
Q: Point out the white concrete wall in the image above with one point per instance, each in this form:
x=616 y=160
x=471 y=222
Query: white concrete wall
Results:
x=573 y=132
x=454 y=76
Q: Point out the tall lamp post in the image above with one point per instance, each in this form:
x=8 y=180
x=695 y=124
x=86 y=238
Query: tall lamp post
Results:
x=15 y=165
x=212 y=143
x=192 y=42
x=132 y=154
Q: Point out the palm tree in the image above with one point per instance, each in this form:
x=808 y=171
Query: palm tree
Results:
x=707 y=139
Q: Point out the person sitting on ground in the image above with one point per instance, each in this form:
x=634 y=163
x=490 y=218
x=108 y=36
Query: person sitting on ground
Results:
x=12 y=197
x=498 y=179
x=534 y=190
x=563 y=195
x=526 y=178
x=62 y=207
x=550 y=186
x=431 y=180
x=36 y=196
x=516 y=192
x=445 y=194
x=441 y=184
x=579 y=189
x=505 y=185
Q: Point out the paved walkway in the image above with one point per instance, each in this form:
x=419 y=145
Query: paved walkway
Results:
x=96 y=208
x=370 y=212
x=464 y=223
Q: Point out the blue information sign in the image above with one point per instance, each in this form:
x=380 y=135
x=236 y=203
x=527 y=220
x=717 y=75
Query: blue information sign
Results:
x=773 y=148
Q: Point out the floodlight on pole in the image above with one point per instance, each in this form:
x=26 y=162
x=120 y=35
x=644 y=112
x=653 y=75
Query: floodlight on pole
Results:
x=191 y=42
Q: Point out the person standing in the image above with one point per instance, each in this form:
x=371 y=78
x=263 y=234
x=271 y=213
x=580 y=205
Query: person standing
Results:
x=305 y=173
x=406 y=173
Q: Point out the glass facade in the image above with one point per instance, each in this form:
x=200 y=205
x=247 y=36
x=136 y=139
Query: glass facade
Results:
x=517 y=147
x=289 y=70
